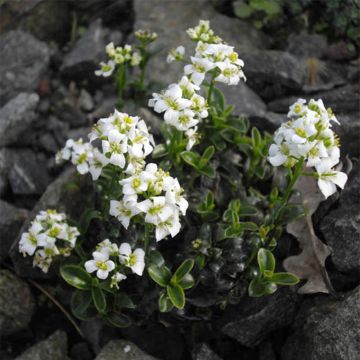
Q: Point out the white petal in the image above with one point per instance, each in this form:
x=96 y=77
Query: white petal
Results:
x=102 y=274
x=339 y=179
x=125 y=249
x=326 y=187
x=90 y=266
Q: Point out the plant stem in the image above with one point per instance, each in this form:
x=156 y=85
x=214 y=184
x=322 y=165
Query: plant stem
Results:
x=294 y=176
x=209 y=95
x=146 y=239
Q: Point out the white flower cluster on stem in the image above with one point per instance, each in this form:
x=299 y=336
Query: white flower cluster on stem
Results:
x=181 y=103
x=49 y=235
x=109 y=258
x=308 y=136
x=124 y=141
x=155 y=194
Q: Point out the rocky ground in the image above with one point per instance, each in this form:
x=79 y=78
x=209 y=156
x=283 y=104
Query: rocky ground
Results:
x=48 y=52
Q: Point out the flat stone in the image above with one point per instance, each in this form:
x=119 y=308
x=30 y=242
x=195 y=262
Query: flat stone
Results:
x=11 y=220
x=28 y=174
x=307 y=45
x=16 y=117
x=16 y=304
x=24 y=60
x=341 y=226
x=254 y=319
x=158 y=16
x=58 y=195
x=328 y=329
x=203 y=352
x=52 y=348
x=84 y=58
x=122 y=350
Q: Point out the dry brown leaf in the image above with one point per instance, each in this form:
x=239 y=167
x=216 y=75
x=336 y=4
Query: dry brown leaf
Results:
x=310 y=263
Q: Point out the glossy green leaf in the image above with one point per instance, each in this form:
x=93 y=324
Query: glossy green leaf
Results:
x=207 y=170
x=284 y=278
x=76 y=276
x=118 y=320
x=161 y=275
x=191 y=158
x=187 y=282
x=123 y=301
x=208 y=154
x=165 y=304
x=176 y=295
x=255 y=137
x=183 y=269
x=159 y=151
x=86 y=218
x=266 y=260
x=99 y=299
x=155 y=258
x=80 y=302
x=258 y=287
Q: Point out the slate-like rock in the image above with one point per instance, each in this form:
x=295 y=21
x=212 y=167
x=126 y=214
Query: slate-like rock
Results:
x=171 y=19
x=24 y=60
x=87 y=52
x=203 y=352
x=59 y=195
x=16 y=117
x=11 y=220
x=52 y=348
x=16 y=304
x=122 y=350
x=341 y=226
x=254 y=319
x=307 y=45
x=329 y=330
x=28 y=174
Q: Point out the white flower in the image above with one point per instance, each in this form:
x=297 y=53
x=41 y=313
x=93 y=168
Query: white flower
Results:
x=192 y=136
x=101 y=264
x=107 y=247
x=199 y=105
x=171 y=102
x=115 y=146
x=185 y=120
x=81 y=155
x=230 y=74
x=176 y=54
x=171 y=226
x=198 y=69
x=329 y=178
x=30 y=240
x=106 y=69
x=123 y=211
x=156 y=209
x=134 y=260
x=188 y=87
x=174 y=194
x=97 y=163
x=135 y=59
x=116 y=279
x=297 y=109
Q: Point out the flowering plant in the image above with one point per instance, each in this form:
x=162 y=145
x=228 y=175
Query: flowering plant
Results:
x=210 y=185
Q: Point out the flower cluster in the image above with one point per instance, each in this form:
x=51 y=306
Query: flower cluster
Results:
x=181 y=103
x=124 y=141
x=110 y=258
x=308 y=136
x=155 y=194
x=145 y=36
x=49 y=235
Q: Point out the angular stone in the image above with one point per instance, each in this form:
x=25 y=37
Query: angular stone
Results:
x=52 y=348
x=60 y=196
x=254 y=319
x=159 y=16
x=348 y=132
x=16 y=117
x=307 y=45
x=87 y=52
x=11 y=220
x=328 y=329
x=24 y=60
x=122 y=350
x=16 y=303
x=203 y=352
x=28 y=174
x=341 y=226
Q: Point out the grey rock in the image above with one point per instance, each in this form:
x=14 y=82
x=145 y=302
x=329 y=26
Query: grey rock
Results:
x=78 y=133
x=81 y=351
x=328 y=329
x=52 y=348
x=158 y=16
x=85 y=100
x=28 y=174
x=122 y=350
x=16 y=304
x=203 y=352
x=24 y=60
x=11 y=220
x=48 y=143
x=340 y=51
x=58 y=195
x=349 y=132
x=153 y=122
x=87 y=52
x=16 y=117
x=266 y=351
x=5 y=164
x=272 y=67
x=253 y=319
x=307 y=45
x=341 y=226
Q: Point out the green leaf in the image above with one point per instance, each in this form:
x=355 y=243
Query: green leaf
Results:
x=242 y=10
x=270 y=7
x=122 y=301
x=155 y=258
x=161 y=275
x=266 y=260
x=183 y=269
x=259 y=287
x=247 y=210
x=219 y=98
x=284 y=278
x=118 y=320
x=248 y=225
x=208 y=154
x=191 y=158
x=176 y=295
x=187 y=282
x=76 y=276
x=208 y=171
x=99 y=299
x=255 y=138
x=291 y=212
x=165 y=304
x=159 y=151
x=86 y=218
x=80 y=302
